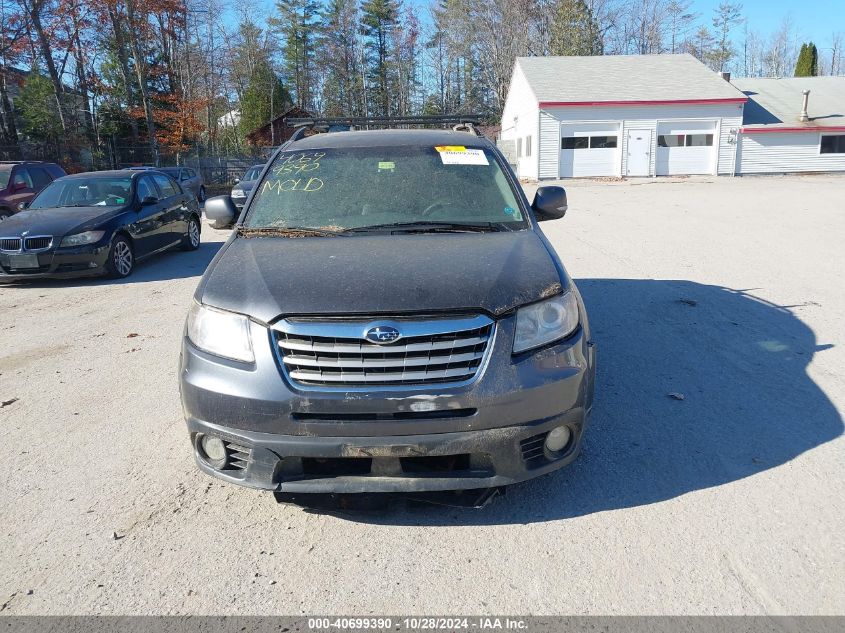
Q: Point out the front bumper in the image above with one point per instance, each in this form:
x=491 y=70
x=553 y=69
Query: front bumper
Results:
x=403 y=439
x=81 y=261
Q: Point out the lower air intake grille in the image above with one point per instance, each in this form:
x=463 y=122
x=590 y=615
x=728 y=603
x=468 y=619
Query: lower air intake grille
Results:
x=533 y=453
x=238 y=456
x=337 y=353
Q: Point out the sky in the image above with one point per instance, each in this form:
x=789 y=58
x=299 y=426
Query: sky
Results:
x=813 y=20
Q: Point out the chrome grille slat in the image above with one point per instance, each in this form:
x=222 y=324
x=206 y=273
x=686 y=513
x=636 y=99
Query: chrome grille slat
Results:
x=336 y=354
x=405 y=376
x=413 y=361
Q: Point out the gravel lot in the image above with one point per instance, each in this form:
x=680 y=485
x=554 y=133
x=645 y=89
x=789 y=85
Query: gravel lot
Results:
x=728 y=292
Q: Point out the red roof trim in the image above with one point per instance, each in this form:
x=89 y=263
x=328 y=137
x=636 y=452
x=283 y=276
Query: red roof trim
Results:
x=761 y=130
x=547 y=104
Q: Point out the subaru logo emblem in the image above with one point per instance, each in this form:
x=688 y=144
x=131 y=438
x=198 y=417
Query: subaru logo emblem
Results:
x=382 y=334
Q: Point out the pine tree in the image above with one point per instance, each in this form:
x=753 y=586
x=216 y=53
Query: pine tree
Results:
x=808 y=61
x=574 y=30
x=39 y=113
x=298 y=26
x=378 y=19
x=264 y=99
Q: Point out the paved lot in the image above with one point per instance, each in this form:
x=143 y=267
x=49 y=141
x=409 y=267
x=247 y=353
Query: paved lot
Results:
x=728 y=291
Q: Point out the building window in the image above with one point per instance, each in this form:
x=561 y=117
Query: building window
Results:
x=575 y=142
x=519 y=148
x=528 y=146
x=602 y=142
x=833 y=144
x=685 y=140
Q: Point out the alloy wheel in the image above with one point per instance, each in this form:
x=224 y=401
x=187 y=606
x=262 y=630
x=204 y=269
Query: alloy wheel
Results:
x=122 y=258
x=194 y=233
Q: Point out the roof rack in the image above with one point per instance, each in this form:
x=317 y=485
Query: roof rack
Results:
x=458 y=122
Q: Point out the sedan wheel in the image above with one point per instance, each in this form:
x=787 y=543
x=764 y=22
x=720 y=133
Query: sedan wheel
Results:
x=121 y=259
x=191 y=240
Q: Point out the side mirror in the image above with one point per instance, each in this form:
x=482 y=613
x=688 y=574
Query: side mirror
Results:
x=18 y=186
x=23 y=206
x=237 y=180
x=149 y=201
x=549 y=203
x=221 y=211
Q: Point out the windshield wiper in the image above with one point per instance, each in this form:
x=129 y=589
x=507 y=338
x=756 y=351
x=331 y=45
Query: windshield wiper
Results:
x=287 y=231
x=434 y=227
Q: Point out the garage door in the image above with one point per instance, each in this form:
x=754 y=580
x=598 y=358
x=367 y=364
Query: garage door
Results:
x=686 y=147
x=589 y=150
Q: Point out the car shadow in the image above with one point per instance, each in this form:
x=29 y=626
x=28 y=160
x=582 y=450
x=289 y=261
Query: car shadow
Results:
x=697 y=386
x=171 y=264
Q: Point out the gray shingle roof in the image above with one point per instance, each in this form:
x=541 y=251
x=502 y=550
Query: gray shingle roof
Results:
x=623 y=78
x=777 y=102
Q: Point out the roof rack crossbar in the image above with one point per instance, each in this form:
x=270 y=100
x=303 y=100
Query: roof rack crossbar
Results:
x=386 y=121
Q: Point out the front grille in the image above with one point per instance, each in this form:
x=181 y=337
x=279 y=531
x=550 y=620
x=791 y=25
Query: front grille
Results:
x=38 y=243
x=435 y=351
x=10 y=244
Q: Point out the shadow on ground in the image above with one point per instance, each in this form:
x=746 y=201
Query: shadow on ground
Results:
x=748 y=404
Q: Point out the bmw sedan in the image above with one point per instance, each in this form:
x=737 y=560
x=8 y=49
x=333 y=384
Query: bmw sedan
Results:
x=98 y=223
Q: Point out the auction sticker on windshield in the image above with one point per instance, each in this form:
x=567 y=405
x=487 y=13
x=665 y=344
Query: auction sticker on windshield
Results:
x=460 y=155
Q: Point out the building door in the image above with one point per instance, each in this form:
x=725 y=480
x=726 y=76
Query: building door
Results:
x=639 y=152
x=589 y=150
x=686 y=147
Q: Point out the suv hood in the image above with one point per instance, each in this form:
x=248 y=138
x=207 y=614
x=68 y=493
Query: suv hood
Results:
x=268 y=277
x=56 y=222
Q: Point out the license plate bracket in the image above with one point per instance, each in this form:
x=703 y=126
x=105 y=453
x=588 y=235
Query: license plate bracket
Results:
x=25 y=261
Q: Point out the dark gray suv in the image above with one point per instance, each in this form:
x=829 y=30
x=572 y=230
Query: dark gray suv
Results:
x=387 y=316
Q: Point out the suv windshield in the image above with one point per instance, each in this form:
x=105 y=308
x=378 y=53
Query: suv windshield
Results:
x=84 y=192
x=359 y=187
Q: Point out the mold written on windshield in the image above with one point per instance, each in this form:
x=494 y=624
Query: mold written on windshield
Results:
x=294 y=173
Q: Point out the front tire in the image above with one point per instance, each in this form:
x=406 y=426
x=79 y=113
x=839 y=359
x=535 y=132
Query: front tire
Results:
x=121 y=260
x=191 y=240
x=5 y=214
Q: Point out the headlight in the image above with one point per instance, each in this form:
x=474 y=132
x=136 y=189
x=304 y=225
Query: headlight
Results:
x=80 y=239
x=544 y=322
x=220 y=333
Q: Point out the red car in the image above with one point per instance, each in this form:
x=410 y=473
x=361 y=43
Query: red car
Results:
x=21 y=180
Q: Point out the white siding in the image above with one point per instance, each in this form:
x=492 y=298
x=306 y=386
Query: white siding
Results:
x=784 y=152
x=726 y=116
x=520 y=121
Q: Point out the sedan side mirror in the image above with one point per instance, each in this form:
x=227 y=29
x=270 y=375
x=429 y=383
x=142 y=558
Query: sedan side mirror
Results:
x=549 y=203
x=149 y=201
x=221 y=211
x=23 y=206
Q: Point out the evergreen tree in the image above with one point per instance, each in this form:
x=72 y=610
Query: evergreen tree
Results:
x=340 y=58
x=264 y=99
x=378 y=19
x=298 y=25
x=36 y=104
x=574 y=31
x=808 y=61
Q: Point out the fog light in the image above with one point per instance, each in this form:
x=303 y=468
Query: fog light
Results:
x=214 y=449
x=558 y=438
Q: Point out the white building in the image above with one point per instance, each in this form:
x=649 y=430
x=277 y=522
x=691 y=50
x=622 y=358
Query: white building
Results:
x=776 y=138
x=620 y=115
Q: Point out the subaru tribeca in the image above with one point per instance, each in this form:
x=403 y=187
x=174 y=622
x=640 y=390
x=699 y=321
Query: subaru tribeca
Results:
x=387 y=316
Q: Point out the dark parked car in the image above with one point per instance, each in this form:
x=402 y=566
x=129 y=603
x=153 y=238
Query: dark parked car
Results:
x=189 y=178
x=98 y=223
x=243 y=187
x=387 y=316
x=20 y=181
